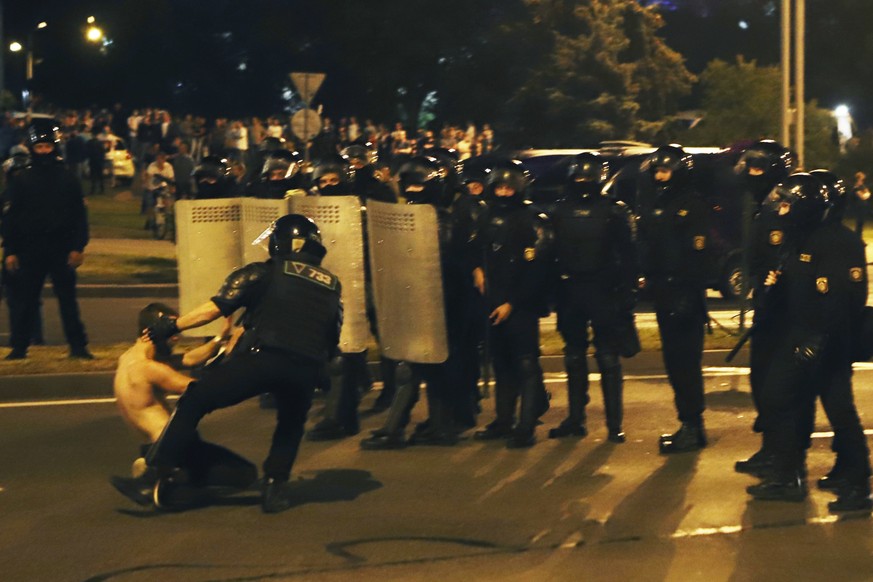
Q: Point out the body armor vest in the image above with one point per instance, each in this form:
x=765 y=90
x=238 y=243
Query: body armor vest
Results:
x=299 y=311
x=582 y=234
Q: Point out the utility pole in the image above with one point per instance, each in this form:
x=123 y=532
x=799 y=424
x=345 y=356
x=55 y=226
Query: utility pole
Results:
x=2 y=53
x=797 y=115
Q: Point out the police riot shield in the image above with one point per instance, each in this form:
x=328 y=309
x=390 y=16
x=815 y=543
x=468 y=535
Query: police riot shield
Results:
x=340 y=220
x=407 y=281
x=208 y=249
x=257 y=215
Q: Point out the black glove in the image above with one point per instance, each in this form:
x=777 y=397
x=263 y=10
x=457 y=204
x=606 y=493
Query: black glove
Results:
x=809 y=350
x=164 y=329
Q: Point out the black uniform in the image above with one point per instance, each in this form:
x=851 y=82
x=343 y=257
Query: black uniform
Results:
x=44 y=220
x=292 y=323
x=512 y=246
x=598 y=274
x=673 y=233
x=822 y=290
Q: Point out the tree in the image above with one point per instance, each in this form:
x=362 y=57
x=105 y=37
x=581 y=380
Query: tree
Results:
x=741 y=102
x=607 y=76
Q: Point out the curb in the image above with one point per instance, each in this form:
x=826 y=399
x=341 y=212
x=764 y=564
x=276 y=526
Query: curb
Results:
x=121 y=291
x=99 y=384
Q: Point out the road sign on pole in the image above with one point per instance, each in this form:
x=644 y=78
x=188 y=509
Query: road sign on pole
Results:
x=307 y=84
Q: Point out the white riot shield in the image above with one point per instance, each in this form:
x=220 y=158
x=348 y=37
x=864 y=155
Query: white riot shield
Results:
x=342 y=233
x=208 y=249
x=407 y=281
x=257 y=215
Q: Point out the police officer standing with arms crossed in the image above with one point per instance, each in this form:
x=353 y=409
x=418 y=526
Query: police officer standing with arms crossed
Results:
x=673 y=231
x=292 y=321
x=45 y=230
x=598 y=274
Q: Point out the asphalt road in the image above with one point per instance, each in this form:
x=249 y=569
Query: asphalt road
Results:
x=569 y=510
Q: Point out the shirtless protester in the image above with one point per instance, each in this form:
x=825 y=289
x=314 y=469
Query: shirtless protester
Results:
x=147 y=373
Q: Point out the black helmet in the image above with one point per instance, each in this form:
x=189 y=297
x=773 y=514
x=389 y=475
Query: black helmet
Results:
x=152 y=314
x=763 y=165
x=292 y=234
x=836 y=192
x=422 y=180
x=511 y=173
x=587 y=174
x=332 y=166
x=212 y=167
x=288 y=167
x=670 y=157
x=806 y=197
x=475 y=170
x=43 y=130
x=15 y=165
x=272 y=144
x=366 y=155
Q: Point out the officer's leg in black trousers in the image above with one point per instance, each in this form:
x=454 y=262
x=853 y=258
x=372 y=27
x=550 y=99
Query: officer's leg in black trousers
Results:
x=507 y=387
x=388 y=371
x=761 y=347
x=785 y=401
x=576 y=366
x=64 y=285
x=391 y=435
x=24 y=287
x=850 y=476
x=341 y=407
x=524 y=331
x=439 y=427
x=682 y=349
x=612 y=386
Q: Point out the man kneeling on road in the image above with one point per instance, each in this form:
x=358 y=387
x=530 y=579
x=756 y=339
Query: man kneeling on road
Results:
x=146 y=374
x=292 y=320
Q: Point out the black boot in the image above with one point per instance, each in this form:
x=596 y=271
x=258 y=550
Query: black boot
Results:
x=391 y=436
x=331 y=427
x=80 y=353
x=612 y=386
x=852 y=498
x=275 y=497
x=388 y=369
x=17 y=354
x=534 y=403
x=759 y=464
x=576 y=365
x=493 y=431
x=689 y=437
x=440 y=431
x=780 y=487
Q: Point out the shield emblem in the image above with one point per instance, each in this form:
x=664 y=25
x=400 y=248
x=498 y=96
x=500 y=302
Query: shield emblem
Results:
x=821 y=285
x=530 y=254
x=776 y=237
x=699 y=243
x=856 y=274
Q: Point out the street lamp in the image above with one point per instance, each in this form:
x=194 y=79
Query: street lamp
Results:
x=94 y=34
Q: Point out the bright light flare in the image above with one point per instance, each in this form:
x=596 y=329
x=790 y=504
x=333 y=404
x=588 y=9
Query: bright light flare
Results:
x=15 y=47
x=91 y=20
x=42 y=25
x=94 y=34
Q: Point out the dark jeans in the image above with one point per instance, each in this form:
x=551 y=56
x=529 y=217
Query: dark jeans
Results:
x=24 y=290
x=291 y=380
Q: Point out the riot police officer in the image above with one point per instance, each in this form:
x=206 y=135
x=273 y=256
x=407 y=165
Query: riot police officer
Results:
x=598 y=273
x=766 y=235
x=365 y=184
x=279 y=176
x=422 y=182
x=822 y=288
x=211 y=178
x=674 y=238
x=511 y=249
x=292 y=321
x=45 y=230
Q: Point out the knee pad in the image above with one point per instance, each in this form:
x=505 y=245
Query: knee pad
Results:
x=607 y=361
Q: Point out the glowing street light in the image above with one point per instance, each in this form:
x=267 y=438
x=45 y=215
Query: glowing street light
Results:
x=91 y=20
x=94 y=34
x=42 y=25
x=16 y=47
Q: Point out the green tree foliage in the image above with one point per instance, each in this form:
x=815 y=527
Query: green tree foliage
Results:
x=606 y=75
x=741 y=102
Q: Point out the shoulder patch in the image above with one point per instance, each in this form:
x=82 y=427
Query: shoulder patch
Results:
x=530 y=254
x=805 y=258
x=682 y=212
x=699 y=243
x=776 y=237
x=310 y=273
x=821 y=285
x=856 y=274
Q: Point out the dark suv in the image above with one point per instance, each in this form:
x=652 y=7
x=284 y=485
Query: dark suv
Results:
x=713 y=177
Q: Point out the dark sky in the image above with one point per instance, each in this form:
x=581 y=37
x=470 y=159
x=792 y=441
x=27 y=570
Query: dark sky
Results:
x=699 y=29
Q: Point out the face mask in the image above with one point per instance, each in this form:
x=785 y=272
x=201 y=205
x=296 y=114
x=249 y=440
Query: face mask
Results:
x=333 y=190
